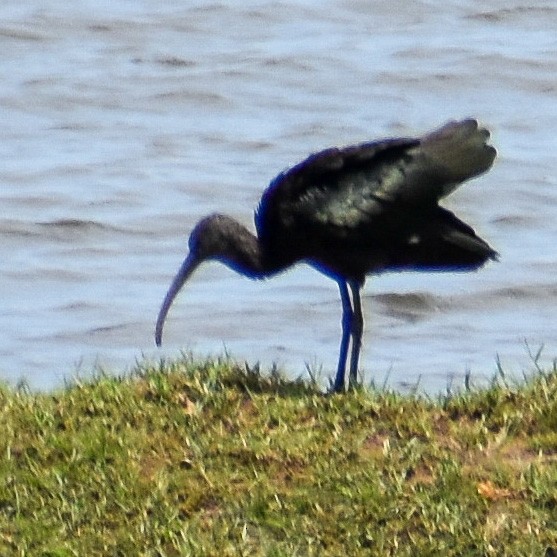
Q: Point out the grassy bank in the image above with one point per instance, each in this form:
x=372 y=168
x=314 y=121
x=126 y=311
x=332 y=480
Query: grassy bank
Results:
x=211 y=459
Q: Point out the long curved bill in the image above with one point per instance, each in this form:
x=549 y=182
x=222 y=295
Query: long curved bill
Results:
x=188 y=266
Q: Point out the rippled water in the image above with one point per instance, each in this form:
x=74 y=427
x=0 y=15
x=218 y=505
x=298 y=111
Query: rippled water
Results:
x=124 y=122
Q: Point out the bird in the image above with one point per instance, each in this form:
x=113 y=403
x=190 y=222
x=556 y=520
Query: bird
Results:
x=351 y=212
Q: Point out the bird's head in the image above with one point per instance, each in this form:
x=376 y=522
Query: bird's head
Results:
x=205 y=242
x=214 y=237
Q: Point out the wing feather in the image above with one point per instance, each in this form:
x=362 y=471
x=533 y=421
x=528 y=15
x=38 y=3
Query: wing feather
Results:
x=327 y=185
x=350 y=187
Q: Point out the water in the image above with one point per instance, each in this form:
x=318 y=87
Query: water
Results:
x=125 y=122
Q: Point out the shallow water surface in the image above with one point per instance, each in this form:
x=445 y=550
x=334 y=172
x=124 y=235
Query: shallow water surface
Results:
x=124 y=123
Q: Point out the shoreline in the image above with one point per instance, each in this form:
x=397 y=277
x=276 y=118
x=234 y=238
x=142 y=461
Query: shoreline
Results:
x=215 y=458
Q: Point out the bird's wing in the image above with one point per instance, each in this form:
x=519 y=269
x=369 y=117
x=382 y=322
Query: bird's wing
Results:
x=325 y=187
x=348 y=187
x=441 y=161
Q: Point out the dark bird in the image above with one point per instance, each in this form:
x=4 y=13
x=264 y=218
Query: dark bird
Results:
x=353 y=211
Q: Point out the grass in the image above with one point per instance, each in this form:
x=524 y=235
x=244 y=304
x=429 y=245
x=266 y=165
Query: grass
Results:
x=210 y=458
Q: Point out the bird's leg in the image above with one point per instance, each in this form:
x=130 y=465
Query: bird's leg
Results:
x=357 y=326
x=347 y=317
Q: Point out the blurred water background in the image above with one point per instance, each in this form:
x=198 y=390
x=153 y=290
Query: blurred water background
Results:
x=124 y=122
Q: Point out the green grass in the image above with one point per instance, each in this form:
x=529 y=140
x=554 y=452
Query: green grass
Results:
x=209 y=458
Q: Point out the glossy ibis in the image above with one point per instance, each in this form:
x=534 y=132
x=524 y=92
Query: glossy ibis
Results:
x=353 y=211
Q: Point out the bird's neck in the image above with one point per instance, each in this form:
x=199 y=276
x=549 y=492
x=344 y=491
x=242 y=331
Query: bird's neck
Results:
x=244 y=254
